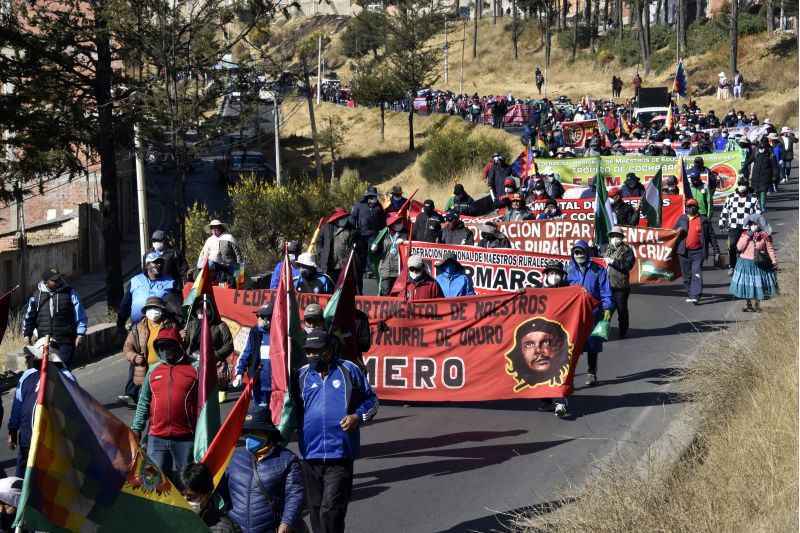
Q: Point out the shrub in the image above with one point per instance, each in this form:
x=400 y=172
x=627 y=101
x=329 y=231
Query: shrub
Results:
x=266 y=214
x=197 y=217
x=564 y=38
x=750 y=24
x=452 y=150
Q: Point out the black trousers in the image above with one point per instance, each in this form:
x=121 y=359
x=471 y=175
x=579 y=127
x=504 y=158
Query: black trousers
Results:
x=592 y=362
x=329 y=485
x=620 y=297
x=733 y=238
x=132 y=389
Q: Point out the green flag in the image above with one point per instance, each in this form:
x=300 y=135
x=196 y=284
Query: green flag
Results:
x=604 y=218
x=651 y=201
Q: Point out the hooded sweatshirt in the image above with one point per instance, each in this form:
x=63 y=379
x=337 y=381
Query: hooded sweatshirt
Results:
x=453 y=280
x=57 y=313
x=592 y=277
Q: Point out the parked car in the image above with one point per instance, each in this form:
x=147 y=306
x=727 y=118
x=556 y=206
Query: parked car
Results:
x=240 y=163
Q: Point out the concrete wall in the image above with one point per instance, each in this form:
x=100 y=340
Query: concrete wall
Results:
x=62 y=255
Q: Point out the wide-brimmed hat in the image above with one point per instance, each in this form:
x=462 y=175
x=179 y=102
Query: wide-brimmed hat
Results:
x=306 y=259
x=312 y=311
x=773 y=136
x=153 y=257
x=159 y=236
x=759 y=219
x=168 y=335
x=10 y=490
x=259 y=418
x=337 y=214
x=396 y=189
x=691 y=201
x=154 y=302
x=216 y=223
x=616 y=230
x=51 y=274
x=415 y=261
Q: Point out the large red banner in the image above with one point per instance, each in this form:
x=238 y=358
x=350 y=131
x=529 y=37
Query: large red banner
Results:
x=582 y=209
x=493 y=347
x=576 y=133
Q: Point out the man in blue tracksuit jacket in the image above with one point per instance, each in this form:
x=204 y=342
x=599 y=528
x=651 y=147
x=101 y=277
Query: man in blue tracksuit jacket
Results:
x=255 y=358
x=293 y=249
x=594 y=278
x=151 y=282
x=334 y=399
x=452 y=279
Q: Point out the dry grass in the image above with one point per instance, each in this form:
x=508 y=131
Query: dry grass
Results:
x=741 y=472
x=13 y=341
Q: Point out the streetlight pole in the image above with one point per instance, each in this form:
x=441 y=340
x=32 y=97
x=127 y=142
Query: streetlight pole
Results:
x=141 y=190
x=276 y=116
x=463 y=46
x=446 y=49
x=319 y=68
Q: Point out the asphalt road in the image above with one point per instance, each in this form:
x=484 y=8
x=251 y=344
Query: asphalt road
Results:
x=459 y=468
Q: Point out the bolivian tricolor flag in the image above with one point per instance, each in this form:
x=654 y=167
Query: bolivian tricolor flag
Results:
x=86 y=471
x=221 y=450
x=207 y=399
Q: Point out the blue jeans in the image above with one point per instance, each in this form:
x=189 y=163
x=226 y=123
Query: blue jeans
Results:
x=22 y=460
x=692 y=271
x=170 y=455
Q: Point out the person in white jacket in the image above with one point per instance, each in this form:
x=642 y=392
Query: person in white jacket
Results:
x=222 y=253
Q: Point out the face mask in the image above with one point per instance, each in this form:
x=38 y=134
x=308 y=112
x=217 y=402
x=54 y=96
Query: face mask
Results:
x=741 y=189
x=170 y=354
x=305 y=272
x=316 y=362
x=372 y=202
x=154 y=269
x=414 y=275
x=753 y=228
x=428 y=209
x=487 y=236
x=616 y=241
x=691 y=210
x=199 y=315
x=397 y=227
x=397 y=196
x=553 y=279
x=508 y=190
x=153 y=315
x=580 y=258
x=551 y=210
x=196 y=507
x=762 y=150
x=253 y=444
x=158 y=246
x=342 y=222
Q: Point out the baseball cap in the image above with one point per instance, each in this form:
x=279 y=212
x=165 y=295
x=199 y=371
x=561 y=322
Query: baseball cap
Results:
x=317 y=339
x=152 y=257
x=415 y=261
x=312 y=310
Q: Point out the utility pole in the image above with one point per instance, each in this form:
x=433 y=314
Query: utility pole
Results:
x=23 y=239
x=141 y=190
x=463 y=46
x=319 y=68
x=446 y=48
x=276 y=117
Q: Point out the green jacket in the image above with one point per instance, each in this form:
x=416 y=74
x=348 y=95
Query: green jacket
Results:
x=705 y=203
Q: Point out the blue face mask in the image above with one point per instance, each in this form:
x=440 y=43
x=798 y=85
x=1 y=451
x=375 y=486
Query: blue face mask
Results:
x=253 y=444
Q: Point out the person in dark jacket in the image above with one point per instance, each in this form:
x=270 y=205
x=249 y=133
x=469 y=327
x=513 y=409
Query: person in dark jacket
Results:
x=55 y=310
x=455 y=232
x=460 y=202
x=170 y=382
x=763 y=172
x=495 y=174
x=585 y=273
x=175 y=265
x=423 y=230
x=691 y=250
x=553 y=187
x=151 y=282
x=254 y=359
x=396 y=200
x=310 y=278
x=591 y=188
x=293 y=249
x=387 y=251
x=198 y=489
x=20 y=424
x=492 y=237
x=625 y=213
x=265 y=480
x=368 y=219
x=335 y=399
x=518 y=210
x=420 y=284
x=787 y=141
x=619 y=262
x=336 y=240
x=452 y=278
x=553 y=277
x=220 y=333
x=551 y=211
x=632 y=187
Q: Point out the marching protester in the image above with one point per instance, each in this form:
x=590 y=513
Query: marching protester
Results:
x=222 y=253
x=492 y=237
x=460 y=202
x=336 y=399
x=624 y=212
x=495 y=174
x=434 y=233
x=787 y=140
x=151 y=282
x=254 y=359
x=20 y=424
x=55 y=310
x=168 y=406
x=423 y=230
x=265 y=480
x=553 y=187
x=551 y=211
x=368 y=219
x=755 y=277
x=139 y=348
x=584 y=272
x=763 y=173
x=396 y=200
x=221 y=340
x=734 y=212
x=313 y=318
x=691 y=250
x=452 y=278
x=10 y=492
x=293 y=249
x=539 y=78
x=175 y=265
x=336 y=240
x=420 y=285
x=704 y=196
x=310 y=279
x=632 y=187
x=554 y=276
x=518 y=210
x=455 y=232
x=388 y=253
x=619 y=262
x=198 y=489
x=591 y=188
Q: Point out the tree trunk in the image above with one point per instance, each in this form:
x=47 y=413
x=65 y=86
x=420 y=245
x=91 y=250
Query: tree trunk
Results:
x=770 y=21
x=411 y=126
x=108 y=165
x=564 y=13
x=682 y=35
x=658 y=11
x=514 y=29
x=313 y=121
x=698 y=13
x=734 y=36
x=575 y=30
x=383 y=121
x=494 y=12
x=475 y=34
x=648 y=50
x=605 y=15
x=548 y=35
x=639 y=28
x=619 y=21
x=593 y=27
x=587 y=12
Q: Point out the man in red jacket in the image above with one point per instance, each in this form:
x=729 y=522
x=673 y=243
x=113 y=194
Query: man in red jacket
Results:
x=168 y=400
x=420 y=285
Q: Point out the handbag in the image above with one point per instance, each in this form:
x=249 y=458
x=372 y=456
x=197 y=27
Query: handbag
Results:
x=762 y=259
x=601 y=330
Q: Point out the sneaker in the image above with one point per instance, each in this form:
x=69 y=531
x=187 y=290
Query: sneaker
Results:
x=561 y=410
x=691 y=300
x=591 y=380
x=124 y=398
x=747 y=309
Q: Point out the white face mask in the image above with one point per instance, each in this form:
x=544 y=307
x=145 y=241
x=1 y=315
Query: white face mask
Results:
x=741 y=190
x=199 y=316
x=414 y=275
x=616 y=241
x=580 y=259
x=153 y=315
x=553 y=279
x=196 y=507
x=158 y=246
x=262 y=323
x=754 y=228
x=509 y=190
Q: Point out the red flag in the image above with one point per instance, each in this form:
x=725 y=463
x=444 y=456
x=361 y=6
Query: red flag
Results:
x=220 y=451
x=208 y=405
